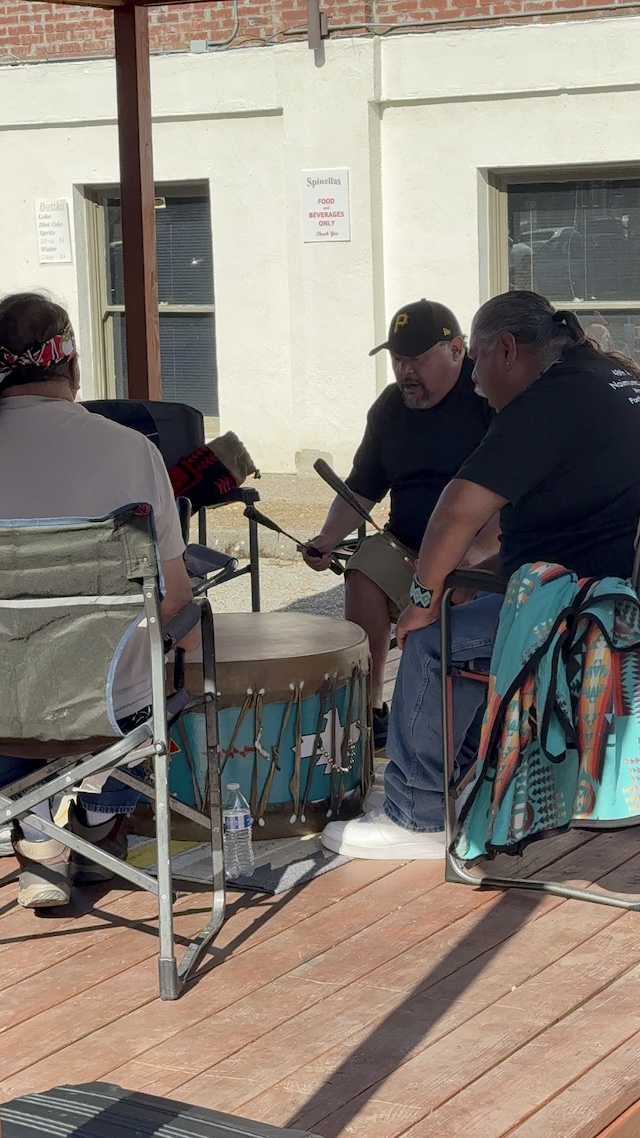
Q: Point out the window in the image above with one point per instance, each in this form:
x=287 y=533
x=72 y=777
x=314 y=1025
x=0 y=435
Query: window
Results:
x=577 y=241
x=185 y=294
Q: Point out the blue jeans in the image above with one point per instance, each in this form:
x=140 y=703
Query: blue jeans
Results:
x=414 y=778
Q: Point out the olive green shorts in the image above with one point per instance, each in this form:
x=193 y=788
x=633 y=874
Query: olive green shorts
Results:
x=385 y=566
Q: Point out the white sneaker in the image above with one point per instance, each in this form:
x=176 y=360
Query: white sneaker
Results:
x=376 y=837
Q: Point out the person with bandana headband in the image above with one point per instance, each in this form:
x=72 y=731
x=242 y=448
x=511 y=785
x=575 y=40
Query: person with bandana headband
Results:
x=58 y=460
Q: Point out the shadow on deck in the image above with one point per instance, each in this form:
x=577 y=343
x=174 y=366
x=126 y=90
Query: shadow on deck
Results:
x=376 y=1001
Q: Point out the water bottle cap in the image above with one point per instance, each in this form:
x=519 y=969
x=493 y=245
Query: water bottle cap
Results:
x=233 y=786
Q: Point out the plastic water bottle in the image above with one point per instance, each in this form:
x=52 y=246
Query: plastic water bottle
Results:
x=238 y=847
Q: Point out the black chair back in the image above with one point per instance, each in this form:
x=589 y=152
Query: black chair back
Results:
x=175 y=428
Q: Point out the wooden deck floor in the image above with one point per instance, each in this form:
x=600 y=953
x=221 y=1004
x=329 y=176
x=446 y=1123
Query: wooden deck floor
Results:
x=376 y=1001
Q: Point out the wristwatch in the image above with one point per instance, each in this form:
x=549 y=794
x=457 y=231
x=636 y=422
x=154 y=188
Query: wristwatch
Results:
x=418 y=595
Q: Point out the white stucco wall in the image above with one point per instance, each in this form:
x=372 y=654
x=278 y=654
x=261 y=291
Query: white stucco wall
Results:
x=417 y=119
x=455 y=106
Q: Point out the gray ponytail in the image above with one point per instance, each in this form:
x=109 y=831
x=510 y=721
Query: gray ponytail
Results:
x=532 y=320
x=570 y=325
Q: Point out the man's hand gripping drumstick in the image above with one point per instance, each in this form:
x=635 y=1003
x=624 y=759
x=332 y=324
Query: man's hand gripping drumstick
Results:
x=343 y=517
x=302 y=546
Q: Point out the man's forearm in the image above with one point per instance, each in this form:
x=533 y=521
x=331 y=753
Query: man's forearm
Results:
x=443 y=549
x=462 y=512
x=342 y=519
x=485 y=547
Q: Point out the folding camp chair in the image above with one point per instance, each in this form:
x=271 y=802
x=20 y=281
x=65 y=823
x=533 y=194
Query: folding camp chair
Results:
x=178 y=430
x=104 y=1110
x=72 y=593
x=482 y=580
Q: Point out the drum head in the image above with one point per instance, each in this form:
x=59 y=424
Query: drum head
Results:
x=269 y=651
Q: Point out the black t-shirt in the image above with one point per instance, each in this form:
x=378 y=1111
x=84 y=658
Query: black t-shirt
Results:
x=565 y=453
x=414 y=454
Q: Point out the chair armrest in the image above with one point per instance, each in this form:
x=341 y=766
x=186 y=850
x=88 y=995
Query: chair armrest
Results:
x=183 y=506
x=201 y=561
x=180 y=624
x=176 y=703
x=482 y=580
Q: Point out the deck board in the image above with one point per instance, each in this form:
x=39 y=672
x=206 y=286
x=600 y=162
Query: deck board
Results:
x=470 y=968
x=376 y=1001
x=626 y=1125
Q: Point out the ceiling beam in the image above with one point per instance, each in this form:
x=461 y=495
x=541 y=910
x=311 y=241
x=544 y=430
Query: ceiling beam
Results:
x=129 y=3
x=89 y=3
x=171 y=3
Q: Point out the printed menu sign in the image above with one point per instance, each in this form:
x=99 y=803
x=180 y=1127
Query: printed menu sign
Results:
x=53 y=232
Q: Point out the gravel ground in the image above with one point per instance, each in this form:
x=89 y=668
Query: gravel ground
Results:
x=285 y=586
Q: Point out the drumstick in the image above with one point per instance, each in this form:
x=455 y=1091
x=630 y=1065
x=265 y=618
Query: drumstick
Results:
x=263 y=520
x=331 y=478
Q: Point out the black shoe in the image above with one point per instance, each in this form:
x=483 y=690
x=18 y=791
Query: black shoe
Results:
x=110 y=837
x=380 y=726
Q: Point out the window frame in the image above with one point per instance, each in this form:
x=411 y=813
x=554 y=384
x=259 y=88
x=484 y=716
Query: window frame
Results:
x=101 y=310
x=499 y=182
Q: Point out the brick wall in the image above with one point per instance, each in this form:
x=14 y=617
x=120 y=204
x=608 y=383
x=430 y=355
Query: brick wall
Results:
x=38 y=31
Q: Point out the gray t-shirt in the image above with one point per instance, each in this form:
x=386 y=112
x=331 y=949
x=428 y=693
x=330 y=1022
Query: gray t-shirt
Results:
x=57 y=460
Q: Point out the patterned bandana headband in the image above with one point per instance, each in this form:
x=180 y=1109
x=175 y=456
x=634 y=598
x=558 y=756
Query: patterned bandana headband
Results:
x=53 y=351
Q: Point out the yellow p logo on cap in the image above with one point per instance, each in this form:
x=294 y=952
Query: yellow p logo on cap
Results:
x=402 y=319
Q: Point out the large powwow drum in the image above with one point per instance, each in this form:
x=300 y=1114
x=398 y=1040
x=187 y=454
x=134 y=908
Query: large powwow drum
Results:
x=294 y=710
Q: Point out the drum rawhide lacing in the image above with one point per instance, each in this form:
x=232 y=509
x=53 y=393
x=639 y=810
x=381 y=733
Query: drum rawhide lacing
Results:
x=294 y=785
x=259 y=705
x=318 y=748
x=339 y=765
x=225 y=754
x=258 y=814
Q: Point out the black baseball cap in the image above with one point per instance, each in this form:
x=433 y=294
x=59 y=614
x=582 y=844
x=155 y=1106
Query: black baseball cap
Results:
x=418 y=327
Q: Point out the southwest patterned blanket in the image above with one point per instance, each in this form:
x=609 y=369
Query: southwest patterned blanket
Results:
x=560 y=741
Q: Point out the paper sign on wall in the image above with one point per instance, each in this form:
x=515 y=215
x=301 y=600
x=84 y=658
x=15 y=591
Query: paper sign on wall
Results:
x=326 y=212
x=53 y=232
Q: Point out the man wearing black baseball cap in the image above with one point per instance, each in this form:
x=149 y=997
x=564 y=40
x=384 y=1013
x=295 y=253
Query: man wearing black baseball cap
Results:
x=420 y=431
x=418 y=327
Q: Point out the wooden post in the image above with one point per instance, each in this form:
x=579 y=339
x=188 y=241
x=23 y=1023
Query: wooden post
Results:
x=131 y=24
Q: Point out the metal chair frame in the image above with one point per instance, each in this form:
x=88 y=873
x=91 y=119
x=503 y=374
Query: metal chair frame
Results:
x=456 y=871
x=246 y=497
x=148 y=740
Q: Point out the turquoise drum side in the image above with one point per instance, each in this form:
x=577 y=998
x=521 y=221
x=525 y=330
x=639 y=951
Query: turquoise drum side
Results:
x=318 y=772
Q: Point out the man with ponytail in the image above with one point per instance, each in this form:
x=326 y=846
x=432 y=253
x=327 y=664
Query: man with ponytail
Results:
x=561 y=462
x=58 y=460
